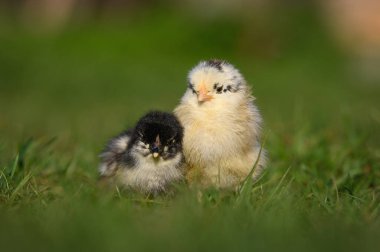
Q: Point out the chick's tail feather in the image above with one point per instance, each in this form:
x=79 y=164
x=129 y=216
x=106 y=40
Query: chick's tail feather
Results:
x=113 y=153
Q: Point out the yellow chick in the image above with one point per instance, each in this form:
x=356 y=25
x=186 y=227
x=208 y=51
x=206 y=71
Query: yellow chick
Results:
x=221 y=126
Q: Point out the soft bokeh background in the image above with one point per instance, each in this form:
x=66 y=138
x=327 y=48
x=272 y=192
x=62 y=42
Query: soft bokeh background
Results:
x=75 y=72
x=88 y=68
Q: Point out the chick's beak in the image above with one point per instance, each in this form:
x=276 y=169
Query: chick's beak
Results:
x=156 y=147
x=203 y=94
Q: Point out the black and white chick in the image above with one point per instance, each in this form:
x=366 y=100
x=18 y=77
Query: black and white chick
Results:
x=222 y=126
x=147 y=158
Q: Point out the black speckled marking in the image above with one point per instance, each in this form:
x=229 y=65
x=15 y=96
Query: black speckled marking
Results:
x=218 y=64
x=234 y=89
x=191 y=87
x=218 y=88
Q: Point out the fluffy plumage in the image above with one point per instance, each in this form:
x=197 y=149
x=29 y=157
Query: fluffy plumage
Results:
x=222 y=126
x=147 y=158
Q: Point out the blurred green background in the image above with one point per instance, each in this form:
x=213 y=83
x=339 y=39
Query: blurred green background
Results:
x=74 y=73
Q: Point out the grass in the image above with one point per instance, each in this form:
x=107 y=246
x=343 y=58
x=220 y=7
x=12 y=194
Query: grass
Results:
x=62 y=95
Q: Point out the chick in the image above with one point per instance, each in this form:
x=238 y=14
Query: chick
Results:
x=147 y=158
x=222 y=126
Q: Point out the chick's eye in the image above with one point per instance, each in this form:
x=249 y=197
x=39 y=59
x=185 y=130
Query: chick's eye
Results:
x=218 y=88
x=191 y=87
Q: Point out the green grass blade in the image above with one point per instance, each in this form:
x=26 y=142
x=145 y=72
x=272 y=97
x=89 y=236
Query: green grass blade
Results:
x=5 y=178
x=244 y=184
x=15 y=165
x=20 y=186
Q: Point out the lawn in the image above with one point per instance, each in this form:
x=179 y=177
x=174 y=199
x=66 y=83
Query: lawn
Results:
x=63 y=94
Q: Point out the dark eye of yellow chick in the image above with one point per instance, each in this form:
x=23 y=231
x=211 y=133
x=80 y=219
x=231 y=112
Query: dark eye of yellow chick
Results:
x=219 y=89
x=191 y=87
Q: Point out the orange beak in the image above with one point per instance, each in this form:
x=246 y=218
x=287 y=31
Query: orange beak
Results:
x=203 y=94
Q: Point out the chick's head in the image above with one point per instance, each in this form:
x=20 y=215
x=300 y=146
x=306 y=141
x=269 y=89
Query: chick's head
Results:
x=214 y=80
x=158 y=135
